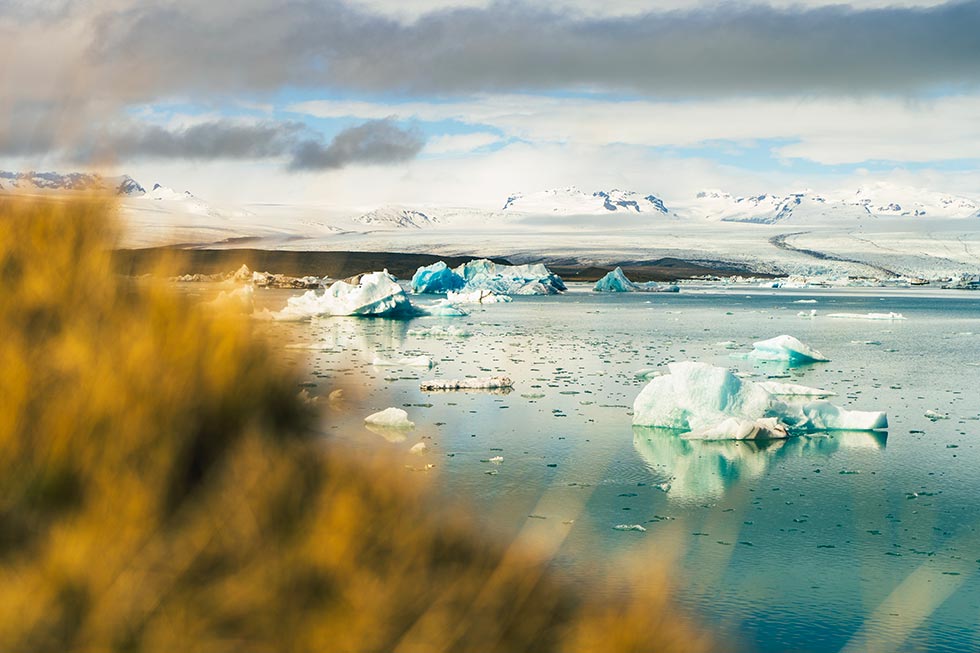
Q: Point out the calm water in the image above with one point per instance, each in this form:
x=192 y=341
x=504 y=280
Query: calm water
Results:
x=812 y=544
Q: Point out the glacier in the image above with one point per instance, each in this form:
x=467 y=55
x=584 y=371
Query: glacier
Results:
x=706 y=402
x=376 y=294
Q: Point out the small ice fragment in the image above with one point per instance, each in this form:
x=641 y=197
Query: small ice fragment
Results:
x=935 y=415
x=787 y=349
x=481 y=296
x=418 y=448
x=395 y=418
x=630 y=527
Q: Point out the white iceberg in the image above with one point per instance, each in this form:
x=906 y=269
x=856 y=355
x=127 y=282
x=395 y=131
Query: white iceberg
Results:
x=376 y=295
x=436 y=278
x=488 y=383
x=785 y=349
x=477 y=297
x=444 y=308
x=793 y=390
x=535 y=279
x=712 y=403
x=390 y=418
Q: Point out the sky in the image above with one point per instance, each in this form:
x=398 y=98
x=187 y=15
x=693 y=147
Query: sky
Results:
x=360 y=103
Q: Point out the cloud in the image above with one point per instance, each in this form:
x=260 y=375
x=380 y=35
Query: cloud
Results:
x=376 y=141
x=460 y=143
x=141 y=51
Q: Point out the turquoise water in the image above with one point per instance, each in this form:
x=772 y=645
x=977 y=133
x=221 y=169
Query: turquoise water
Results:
x=843 y=542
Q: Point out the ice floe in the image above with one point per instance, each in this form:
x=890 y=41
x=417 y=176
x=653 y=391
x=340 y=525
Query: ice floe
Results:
x=488 y=383
x=376 y=294
x=444 y=308
x=868 y=316
x=477 y=297
x=712 y=403
x=535 y=279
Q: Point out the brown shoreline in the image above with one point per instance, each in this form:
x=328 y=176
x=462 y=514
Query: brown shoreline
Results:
x=340 y=265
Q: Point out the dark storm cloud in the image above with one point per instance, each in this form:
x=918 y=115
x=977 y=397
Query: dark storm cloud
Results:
x=374 y=142
x=172 y=46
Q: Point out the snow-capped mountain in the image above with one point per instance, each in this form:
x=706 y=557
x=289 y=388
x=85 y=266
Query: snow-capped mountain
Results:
x=572 y=201
x=396 y=217
x=187 y=202
x=123 y=185
x=879 y=200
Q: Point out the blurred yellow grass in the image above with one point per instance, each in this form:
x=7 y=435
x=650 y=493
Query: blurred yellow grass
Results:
x=163 y=491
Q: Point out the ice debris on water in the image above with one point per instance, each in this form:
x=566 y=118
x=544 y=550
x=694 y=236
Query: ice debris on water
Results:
x=418 y=448
x=483 y=274
x=868 y=316
x=785 y=349
x=437 y=331
x=392 y=418
x=410 y=361
x=488 y=383
x=630 y=527
x=616 y=281
x=712 y=403
x=375 y=294
x=935 y=415
x=477 y=297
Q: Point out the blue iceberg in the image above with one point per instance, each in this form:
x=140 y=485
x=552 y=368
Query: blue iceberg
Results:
x=436 y=278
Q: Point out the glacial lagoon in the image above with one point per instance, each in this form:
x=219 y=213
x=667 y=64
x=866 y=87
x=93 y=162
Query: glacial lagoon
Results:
x=823 y=543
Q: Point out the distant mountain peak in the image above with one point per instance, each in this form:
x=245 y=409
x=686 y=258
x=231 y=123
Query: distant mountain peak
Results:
x=572 y=201
x=397 y=217
x=32 y=181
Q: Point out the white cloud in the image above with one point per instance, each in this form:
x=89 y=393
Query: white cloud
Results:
x=460 y=143
x=824 y=130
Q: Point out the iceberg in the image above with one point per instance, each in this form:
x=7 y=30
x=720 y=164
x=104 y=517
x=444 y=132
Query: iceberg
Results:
x=390 y=418
x=436 y=278
x=536 y=279
x=868 y=316
x=711 y=403
x=375 y=294
x=615 y=281
x=785 y=349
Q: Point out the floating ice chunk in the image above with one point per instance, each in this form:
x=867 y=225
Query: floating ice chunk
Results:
x=418 y=448
x=712 y=403
x=477 y=297
x=436 y=278
x=614 y=281
x=786 y=349
x=824 y=416
x=444 y=308
x=868 y=316
x=647 y=373
x=376 y=295
x=437 y=331
x=488 y=383
x=811 y=313
x=510 y=279
x=392 y=418
x=240 y=300
x=805 y=301
x=793 y=390
x=935 y=415
x=630 y=527
x=416 y=361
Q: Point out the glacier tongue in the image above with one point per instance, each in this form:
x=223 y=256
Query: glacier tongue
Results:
x=712 y=403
